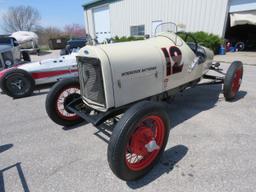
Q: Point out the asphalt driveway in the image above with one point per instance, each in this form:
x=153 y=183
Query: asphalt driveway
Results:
x=211 y=147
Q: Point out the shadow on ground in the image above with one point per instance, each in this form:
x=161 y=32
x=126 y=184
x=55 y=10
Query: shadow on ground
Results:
x=21 y=176
x=183 y=107
x=6 y=147
x=196 y=100
x=170 y=158
x=74 y=126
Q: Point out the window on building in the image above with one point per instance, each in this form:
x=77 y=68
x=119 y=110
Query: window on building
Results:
x=138 y=30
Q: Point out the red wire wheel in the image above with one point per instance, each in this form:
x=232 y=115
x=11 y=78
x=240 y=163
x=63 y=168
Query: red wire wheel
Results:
x=233 y=80
x=145 y=143
x=61 y=94
x=67 y=95
x=138 y=140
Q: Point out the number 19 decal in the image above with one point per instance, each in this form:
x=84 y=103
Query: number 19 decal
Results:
x=175 y=55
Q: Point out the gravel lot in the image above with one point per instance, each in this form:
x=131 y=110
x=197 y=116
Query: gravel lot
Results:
x=212 y=145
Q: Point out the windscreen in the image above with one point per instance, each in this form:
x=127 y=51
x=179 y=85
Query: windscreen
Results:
x=5 y=41
x=166 y=27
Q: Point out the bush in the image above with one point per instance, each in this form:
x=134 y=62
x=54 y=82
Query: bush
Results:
x=208 y=40
x=117 y=39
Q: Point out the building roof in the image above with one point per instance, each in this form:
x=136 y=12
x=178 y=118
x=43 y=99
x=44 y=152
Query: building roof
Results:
x=92 y=3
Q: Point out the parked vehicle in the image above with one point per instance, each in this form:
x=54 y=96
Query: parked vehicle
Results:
x=20 y=81
x=27 y=40
x=121 y=87
x=73 y=44
x=10 y=53
x=77 y=43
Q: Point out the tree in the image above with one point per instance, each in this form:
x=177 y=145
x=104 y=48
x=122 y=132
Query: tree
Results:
x=20 y=18
x=74 y=30
x=48 y=33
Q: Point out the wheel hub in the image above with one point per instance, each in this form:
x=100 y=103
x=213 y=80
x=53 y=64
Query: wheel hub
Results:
x=151 y=146
x=145 y=143
x=17 y=84
x=141 y=138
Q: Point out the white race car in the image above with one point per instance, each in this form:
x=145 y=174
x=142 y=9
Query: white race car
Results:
x=20 y=81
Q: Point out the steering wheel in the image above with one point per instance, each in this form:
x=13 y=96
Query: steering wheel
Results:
x=192 y=43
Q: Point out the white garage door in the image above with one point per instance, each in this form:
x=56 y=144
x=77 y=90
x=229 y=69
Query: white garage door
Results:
x=102 y=23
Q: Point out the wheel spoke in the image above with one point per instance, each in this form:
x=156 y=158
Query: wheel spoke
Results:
x=61 y=100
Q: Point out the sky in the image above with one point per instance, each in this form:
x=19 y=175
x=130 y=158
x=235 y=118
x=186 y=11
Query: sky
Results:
x=56 y=13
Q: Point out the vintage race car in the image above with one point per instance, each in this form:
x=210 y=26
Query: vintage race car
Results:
x=20 y=81
x=121 y=88
x=10 y=53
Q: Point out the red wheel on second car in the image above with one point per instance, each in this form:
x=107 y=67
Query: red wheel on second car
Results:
x=61 y=94
x=67 y=95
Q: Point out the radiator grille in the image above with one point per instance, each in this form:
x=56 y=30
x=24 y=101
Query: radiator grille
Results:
x=91 y=82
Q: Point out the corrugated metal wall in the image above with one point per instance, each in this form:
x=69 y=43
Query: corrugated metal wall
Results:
x=196 y=15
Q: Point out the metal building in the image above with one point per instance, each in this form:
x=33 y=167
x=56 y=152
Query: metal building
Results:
x=109 y=18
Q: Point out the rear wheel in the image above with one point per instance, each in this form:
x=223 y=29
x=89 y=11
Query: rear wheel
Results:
x=138 y=140
x=61 y=94
x=17 y=83
x=233 y=80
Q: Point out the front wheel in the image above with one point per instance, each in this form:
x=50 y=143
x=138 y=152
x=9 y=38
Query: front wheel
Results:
x=17 y=83
x=60 y=95
x=233 y=80
x=138 y=140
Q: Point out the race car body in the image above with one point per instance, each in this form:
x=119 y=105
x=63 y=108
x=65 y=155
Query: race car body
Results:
x=21 y=80
x=122 y=88
x=51 y=70
x=165 y=61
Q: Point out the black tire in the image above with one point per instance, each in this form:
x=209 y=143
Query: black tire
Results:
x=26 y=56
x=233 y=80
x=53 y=96
x=121 y=137
x=17 y=83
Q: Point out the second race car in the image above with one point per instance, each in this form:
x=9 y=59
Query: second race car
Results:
x=20 y=81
